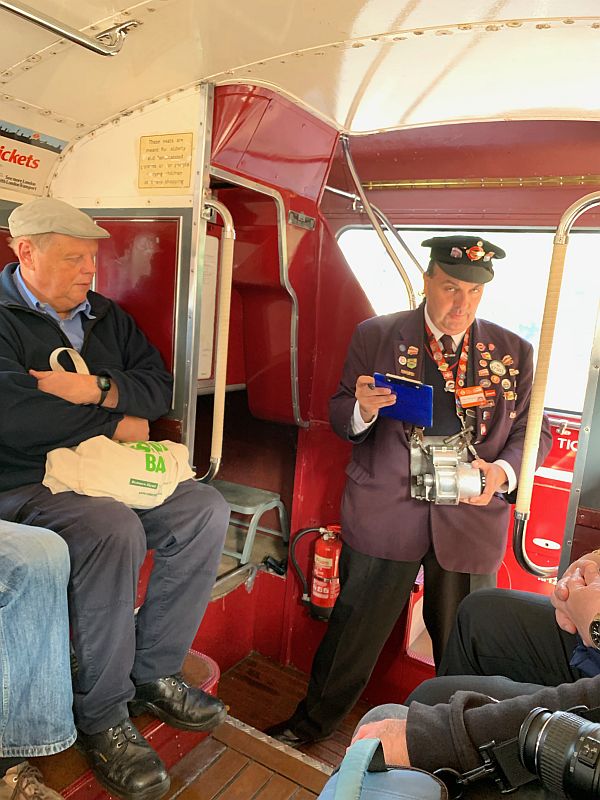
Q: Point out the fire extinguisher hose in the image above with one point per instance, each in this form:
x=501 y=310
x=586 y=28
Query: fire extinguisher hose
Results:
x=300 y=535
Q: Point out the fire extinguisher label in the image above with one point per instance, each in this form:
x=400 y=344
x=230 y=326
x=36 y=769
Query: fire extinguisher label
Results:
x=323 y=563
x=325 y=590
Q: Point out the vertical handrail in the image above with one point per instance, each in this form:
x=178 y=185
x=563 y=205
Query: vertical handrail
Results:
x=412 y=302
x=538 y=389
x=224 y=307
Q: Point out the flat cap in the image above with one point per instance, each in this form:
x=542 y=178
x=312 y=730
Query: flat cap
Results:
x=47 y=215
x=466 y=258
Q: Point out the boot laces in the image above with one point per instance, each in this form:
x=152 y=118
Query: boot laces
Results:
x=123 y=733
x=29 y=783
x=178 y=681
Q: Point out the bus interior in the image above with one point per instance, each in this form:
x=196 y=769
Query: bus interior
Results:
x=267 y=172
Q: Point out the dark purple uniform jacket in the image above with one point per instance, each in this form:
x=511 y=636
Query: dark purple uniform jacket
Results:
x=379 y=517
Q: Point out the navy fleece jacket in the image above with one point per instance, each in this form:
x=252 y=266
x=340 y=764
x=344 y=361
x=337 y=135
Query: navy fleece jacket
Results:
x=33 y=422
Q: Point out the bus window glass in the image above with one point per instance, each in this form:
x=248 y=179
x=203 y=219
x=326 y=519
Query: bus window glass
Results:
x=515 y=299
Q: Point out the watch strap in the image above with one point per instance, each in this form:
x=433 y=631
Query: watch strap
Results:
x=104 y=385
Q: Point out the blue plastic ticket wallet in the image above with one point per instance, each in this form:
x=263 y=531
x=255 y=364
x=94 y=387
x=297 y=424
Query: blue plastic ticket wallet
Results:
x=414 y=400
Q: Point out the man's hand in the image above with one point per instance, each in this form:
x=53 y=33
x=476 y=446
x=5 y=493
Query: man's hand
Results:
x=561 y=590
x=495 y=477
x=576 y=598
x=70 y=386
x=582 y=603
x=370 y=400
x=132 y=429
x=392 y=733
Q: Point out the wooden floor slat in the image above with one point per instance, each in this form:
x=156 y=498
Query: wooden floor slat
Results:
x=209 y=784
x=271 y=756
x=278 y=788
x=247 y=784
x=261 y=692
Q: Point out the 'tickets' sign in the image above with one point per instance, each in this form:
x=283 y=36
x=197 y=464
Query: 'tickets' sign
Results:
x=26 y=157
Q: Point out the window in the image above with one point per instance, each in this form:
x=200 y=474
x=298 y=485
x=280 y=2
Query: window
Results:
x=515 y=298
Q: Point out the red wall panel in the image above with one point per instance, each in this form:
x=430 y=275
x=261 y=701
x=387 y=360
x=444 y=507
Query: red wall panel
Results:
x=137 y=267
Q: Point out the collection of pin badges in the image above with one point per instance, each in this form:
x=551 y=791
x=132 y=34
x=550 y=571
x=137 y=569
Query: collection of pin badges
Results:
x=492 y=372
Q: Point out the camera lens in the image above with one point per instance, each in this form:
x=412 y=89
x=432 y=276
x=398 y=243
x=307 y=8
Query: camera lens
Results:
x=563 y=750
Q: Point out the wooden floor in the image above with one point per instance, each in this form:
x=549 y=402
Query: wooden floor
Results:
x=238 y=762
x=261 y=693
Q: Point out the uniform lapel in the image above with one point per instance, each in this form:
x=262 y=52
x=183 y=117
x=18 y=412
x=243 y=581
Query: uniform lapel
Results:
x=408 y=346
x=480 y=346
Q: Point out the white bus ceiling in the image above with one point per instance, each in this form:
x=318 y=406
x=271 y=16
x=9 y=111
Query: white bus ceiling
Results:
x=361 y=65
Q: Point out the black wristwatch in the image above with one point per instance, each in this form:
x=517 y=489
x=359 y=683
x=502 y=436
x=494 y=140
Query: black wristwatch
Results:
x=104 y=385
x=594 y=631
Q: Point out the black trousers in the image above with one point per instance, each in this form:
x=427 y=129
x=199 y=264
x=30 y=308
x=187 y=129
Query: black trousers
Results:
x=107 y=544
x=373 y=594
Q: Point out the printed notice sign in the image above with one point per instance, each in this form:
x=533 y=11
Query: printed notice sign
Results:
x=26 y=157
x=165 y=161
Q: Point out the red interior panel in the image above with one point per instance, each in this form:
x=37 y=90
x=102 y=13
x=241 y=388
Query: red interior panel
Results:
x=137 y=267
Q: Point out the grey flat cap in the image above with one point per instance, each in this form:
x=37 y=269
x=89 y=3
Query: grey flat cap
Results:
x=47 y=215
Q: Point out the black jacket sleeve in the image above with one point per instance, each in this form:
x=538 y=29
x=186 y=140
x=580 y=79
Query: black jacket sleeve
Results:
x=448 y=735
x=145 y=387
x=37 y=422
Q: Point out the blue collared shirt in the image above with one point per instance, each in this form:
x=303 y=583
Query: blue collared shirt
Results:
x=71 y=326
x=586 y=659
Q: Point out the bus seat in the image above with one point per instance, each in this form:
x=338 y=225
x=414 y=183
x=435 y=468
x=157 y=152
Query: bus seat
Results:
x=251 y=502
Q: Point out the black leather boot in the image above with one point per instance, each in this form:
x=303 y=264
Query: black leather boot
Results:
x=123 y=762
x=178 y=704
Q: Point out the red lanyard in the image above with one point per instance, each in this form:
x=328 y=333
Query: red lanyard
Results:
x=444 y=368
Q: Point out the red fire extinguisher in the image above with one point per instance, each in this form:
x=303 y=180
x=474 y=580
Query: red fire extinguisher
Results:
x=325 y=583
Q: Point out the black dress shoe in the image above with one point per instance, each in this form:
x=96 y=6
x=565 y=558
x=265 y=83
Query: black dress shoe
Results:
x=173 y=701
x=284 y=733
x=123 y=762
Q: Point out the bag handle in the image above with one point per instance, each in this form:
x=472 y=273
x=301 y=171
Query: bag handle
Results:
x=360 y=757
x=80 y=366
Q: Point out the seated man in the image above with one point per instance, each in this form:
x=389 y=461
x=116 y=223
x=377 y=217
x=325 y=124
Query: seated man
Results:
x=529 y=656
x=45 y=303
x=35 y=674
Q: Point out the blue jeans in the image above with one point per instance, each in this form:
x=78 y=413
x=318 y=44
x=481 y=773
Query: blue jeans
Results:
x=36 y=717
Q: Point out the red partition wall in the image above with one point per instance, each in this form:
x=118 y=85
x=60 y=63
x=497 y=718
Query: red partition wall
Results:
x=137 y=267
x=6 y=254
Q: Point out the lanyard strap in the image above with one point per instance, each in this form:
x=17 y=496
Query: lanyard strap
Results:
x=446 y=370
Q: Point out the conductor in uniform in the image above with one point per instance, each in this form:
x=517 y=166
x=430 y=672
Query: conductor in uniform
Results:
x=481 y=376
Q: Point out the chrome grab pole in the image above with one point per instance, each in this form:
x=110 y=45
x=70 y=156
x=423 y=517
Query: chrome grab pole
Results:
x=538 y=390
x=115 y=35
x=224 y=300
x=375 y=223
x=382 y=218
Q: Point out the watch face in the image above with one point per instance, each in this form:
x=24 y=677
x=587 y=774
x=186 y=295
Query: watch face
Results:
x=103 y=383
x=595 y=632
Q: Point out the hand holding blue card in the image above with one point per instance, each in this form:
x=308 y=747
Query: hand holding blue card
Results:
x=414 y=400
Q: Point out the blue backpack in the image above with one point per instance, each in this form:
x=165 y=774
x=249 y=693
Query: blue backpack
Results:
x=363 y=775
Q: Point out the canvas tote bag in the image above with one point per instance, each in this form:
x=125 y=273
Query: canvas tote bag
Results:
x=139 y=474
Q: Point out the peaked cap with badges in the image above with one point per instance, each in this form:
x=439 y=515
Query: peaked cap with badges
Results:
x=466 y=258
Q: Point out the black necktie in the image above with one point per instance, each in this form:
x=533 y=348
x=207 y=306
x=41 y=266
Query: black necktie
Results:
x=447 y=343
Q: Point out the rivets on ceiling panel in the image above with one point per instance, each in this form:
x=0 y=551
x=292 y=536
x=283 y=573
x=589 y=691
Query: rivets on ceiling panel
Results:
x=543 y=26
x=358 y=44
x=443 y=32
x=569 y=21
x=492 y=28
x=513 y=23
